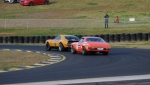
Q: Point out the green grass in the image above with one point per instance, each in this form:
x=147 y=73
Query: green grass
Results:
x=79 y=9
x=11 y=59
x=71 y=31
x=60 y=9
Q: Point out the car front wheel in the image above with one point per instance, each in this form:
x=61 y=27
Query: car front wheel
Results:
x=73 y=51
x=46 y=2
x=31 y=4
x=84 y=52
x=48 y=47
x=61 y=47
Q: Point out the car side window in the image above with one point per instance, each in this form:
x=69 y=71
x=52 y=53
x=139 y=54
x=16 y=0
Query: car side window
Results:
x=57 y=38
x=81 y=40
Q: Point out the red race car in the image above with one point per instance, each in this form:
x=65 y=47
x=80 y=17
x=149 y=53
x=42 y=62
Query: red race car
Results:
x=33 y=2
x=90 y=45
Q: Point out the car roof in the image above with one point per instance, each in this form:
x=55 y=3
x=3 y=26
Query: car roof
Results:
x=90 y=37
x=66 y=35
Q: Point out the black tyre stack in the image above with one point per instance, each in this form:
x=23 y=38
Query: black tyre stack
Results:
x=20 y=39
x=37 y=39
x=111 y=38
x=15 y=39
x=133 y=37
x=117 y=37
x=10 y=39
x=106 y=37
x=31 y=39
x=5 y=39
x=139 y=36
x=26 y=39
x=42 y=39
x=127 y=37
x=145 y=37
x=1 y=39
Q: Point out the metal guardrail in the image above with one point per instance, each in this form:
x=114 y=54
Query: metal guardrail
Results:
x=72 y=23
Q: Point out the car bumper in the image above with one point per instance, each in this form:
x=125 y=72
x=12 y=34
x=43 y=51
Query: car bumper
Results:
x=24 y=4
x=95 y=49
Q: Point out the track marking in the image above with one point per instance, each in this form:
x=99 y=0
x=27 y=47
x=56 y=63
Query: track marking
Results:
x=89 y=80
x=54 y=58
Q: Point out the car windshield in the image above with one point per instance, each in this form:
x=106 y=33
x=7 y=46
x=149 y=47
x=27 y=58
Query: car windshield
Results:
x=94 y=40
x=72 y=38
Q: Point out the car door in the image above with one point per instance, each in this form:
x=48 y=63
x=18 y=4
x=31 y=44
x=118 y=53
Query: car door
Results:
x=79 y=45
x=57 y=41
x=41 y=1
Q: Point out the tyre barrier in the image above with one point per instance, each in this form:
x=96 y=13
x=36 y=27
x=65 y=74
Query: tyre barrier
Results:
x=10 y=40
x=31 y=39
x=1 y=39
x=111 y=38
x=139 y=36
x=42 y=39
x=15 y=39
x=145 y=37
x=107 y=37
x=148 y=36
x=122 y=37
x=133 y=37
x=127 y=37
x=117 y=37
x=26 y=39
x=36 y=39
x=20 y=39
x=102 y=36
x=5 y=39
x=79 y=36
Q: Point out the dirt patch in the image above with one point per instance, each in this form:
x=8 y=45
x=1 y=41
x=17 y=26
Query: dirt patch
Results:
x=4 y=33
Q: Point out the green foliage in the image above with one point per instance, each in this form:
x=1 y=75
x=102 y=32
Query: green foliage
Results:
x=92 y=3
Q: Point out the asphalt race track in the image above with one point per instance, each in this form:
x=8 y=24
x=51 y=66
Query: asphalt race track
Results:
x=119 y=62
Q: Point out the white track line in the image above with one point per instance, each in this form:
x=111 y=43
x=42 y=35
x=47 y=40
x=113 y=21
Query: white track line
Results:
x=89 y=80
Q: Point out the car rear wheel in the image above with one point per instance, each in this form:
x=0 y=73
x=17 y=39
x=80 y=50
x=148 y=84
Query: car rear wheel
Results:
x=84 y=52
x=48 y=47
x=73 y=51
x=46 y=2
x=61 y=47
x=31 y=4
x=105 y=53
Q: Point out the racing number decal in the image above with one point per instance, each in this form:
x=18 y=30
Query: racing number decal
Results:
x=77 y=46
x=55 y=42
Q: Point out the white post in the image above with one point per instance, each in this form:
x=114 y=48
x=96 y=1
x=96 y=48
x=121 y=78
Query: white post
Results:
x=124 y=23
x=27 y=24
x=5 y=23
x=75 y=23
x=99 y=23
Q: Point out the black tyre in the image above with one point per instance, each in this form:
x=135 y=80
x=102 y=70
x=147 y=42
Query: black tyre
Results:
x=48 y=47
x=46 y=2
x=105 y=53
x=31 y=4
x=4 y=1
x=61 y=48
x=73 y=51
x=84 y=52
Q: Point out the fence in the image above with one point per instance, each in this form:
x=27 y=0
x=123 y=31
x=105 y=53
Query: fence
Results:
x=72 y=23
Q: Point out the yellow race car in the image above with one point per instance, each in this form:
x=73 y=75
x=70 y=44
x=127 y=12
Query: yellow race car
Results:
x=62 y=42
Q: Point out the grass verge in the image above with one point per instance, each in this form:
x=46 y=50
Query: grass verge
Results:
x=13 y=59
